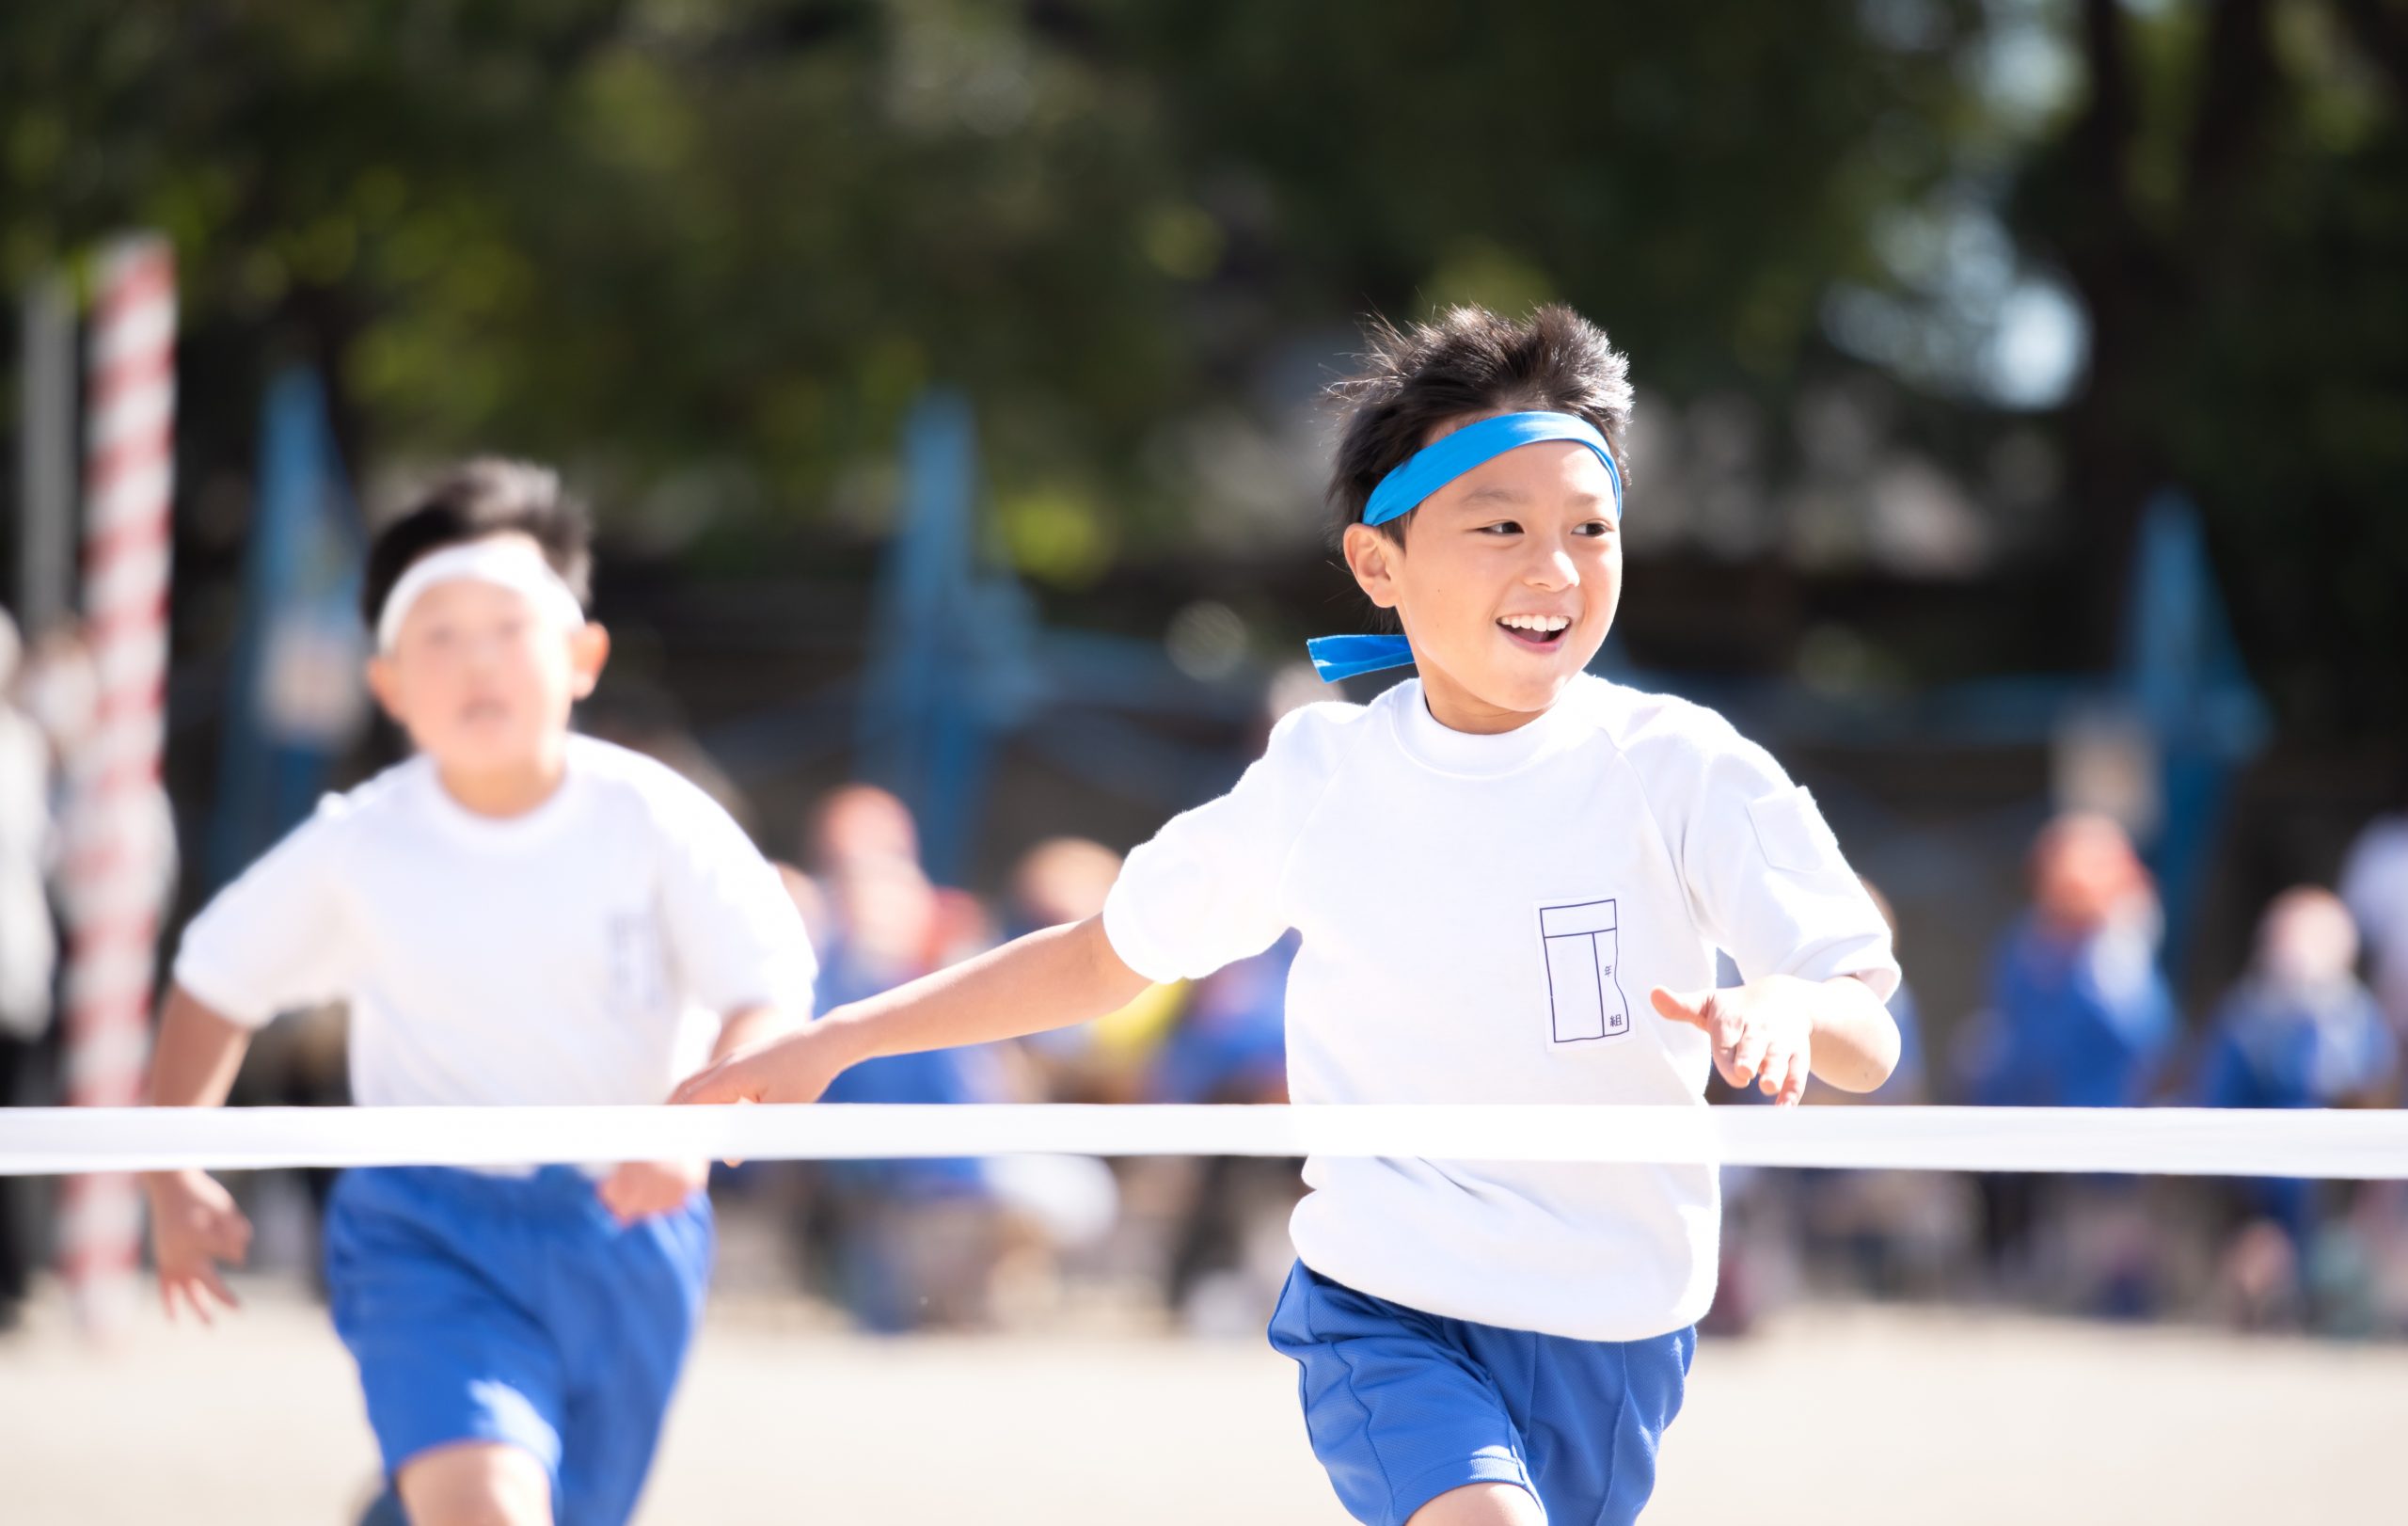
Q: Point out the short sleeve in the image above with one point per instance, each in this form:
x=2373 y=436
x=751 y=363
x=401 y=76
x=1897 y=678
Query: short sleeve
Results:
x=735 y=938
x=1206 y=891
x=1766 y=880
x=279 y=939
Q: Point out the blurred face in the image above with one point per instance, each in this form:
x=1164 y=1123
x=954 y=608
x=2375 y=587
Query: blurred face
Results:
x=2084 y=873
x=863 y=821
x=1506 y=584
x=482 y=682
x=2307 y=938
x=888 y=912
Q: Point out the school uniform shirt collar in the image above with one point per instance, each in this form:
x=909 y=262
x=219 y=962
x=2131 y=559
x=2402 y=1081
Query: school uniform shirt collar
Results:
x=1440 y=748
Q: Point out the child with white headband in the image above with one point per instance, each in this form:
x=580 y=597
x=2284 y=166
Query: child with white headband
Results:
x=517 y=915
x=1510 y=878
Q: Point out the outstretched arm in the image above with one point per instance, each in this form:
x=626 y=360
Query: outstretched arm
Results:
x=194 y=1222
x=1048 y=979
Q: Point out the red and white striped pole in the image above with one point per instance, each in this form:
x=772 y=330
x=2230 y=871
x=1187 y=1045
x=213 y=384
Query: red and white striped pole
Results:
x=119 y=845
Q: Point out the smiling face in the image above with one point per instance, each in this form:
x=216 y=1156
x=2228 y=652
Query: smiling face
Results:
x=483 y=682
x=1506 y=582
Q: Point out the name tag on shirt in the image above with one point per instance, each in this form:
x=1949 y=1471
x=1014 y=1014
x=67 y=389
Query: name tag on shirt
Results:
x=1582 y=946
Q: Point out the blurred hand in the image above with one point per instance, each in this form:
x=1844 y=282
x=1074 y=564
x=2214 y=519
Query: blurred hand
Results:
x=796 y=1067
x=1762 y=1032
x=641 y=1188
x=194 y=1226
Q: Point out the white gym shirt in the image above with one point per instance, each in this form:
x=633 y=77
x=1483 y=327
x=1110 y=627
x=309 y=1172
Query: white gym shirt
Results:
x=585 y=952
x=1483 y=919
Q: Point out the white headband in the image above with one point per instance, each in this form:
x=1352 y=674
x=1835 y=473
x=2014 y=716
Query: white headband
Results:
x=505 y=563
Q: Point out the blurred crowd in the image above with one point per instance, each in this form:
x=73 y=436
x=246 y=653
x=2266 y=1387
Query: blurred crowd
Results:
x=908 y=1244
x=2078 y=1013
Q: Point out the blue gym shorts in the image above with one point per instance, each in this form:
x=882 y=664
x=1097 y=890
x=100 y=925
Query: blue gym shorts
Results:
x=517 y=1309
x=1403 y=1406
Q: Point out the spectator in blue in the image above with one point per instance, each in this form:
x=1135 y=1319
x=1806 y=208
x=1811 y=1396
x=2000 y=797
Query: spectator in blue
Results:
x=915 y=1239
x=2080 y=1014
x=2080 y=1017
x=932 y=1242
x=2299 y=1030
x=1231 y=1043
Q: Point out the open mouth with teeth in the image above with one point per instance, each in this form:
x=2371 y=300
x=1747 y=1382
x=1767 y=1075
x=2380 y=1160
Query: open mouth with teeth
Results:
x=1539 y=633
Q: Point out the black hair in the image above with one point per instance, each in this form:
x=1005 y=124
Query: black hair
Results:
x=1469 y=360
x=475 y=499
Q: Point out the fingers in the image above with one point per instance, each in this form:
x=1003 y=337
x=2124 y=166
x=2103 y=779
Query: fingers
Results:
x=1705 y=1012
x=227 y=1236
x=215 y=1229
x=726 y=1082
x=196 y=1286
x=1773 y=1075
x=191 y=1238
x=1793 y=1090
x=623 y=1193
x=1681 y=1009
x=643 y=1203
x=1750 y=1050
x=168 y=1287
x=639 y=1190
x=191 y=1294
x=217 y=1287
x=1728 y=1031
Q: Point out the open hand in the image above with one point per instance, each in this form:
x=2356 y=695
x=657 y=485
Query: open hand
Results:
x=641 y=1188
x=194 y=1226
x=1759 y=1038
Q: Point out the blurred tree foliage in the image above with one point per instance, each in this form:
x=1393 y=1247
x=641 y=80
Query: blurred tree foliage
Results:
x=722 y=242
x=2230 y=197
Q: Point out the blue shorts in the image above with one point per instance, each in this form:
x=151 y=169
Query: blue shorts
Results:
x=517 y=1309
x=1403 y=1406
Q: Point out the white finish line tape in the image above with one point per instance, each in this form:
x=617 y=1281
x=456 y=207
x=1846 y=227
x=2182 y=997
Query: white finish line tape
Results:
x=2177 y=1141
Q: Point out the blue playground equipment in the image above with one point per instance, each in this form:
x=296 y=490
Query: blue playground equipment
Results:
x=2182 y=677
x=295 y=698
x=959 y=661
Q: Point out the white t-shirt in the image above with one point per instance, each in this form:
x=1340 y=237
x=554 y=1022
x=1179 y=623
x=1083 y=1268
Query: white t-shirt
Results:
x=585 y=952
x=1483 y=919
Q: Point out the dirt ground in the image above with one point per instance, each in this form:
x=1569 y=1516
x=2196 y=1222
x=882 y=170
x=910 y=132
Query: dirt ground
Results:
x=1850 y=1415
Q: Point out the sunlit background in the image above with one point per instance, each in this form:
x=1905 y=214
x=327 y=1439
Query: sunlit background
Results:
x=2022 y=428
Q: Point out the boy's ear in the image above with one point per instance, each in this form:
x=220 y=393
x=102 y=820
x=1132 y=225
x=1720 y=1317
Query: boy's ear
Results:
x=589 y=650
x=386 y=687
x=1373 y=558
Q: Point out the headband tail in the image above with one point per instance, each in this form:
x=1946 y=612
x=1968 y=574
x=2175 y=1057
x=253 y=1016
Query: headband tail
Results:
x=1345 y=656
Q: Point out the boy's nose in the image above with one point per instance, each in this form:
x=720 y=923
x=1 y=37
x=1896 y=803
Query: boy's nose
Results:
x=1553 y=567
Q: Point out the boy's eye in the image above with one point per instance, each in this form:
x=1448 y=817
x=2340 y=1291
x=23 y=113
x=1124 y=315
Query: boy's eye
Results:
x=1502 y=527
x=1595 y=529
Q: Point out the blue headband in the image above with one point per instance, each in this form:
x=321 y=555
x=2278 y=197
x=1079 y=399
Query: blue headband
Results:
x=1434 y=467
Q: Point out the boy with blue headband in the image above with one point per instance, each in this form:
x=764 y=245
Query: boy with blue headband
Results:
x=1512 y=879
